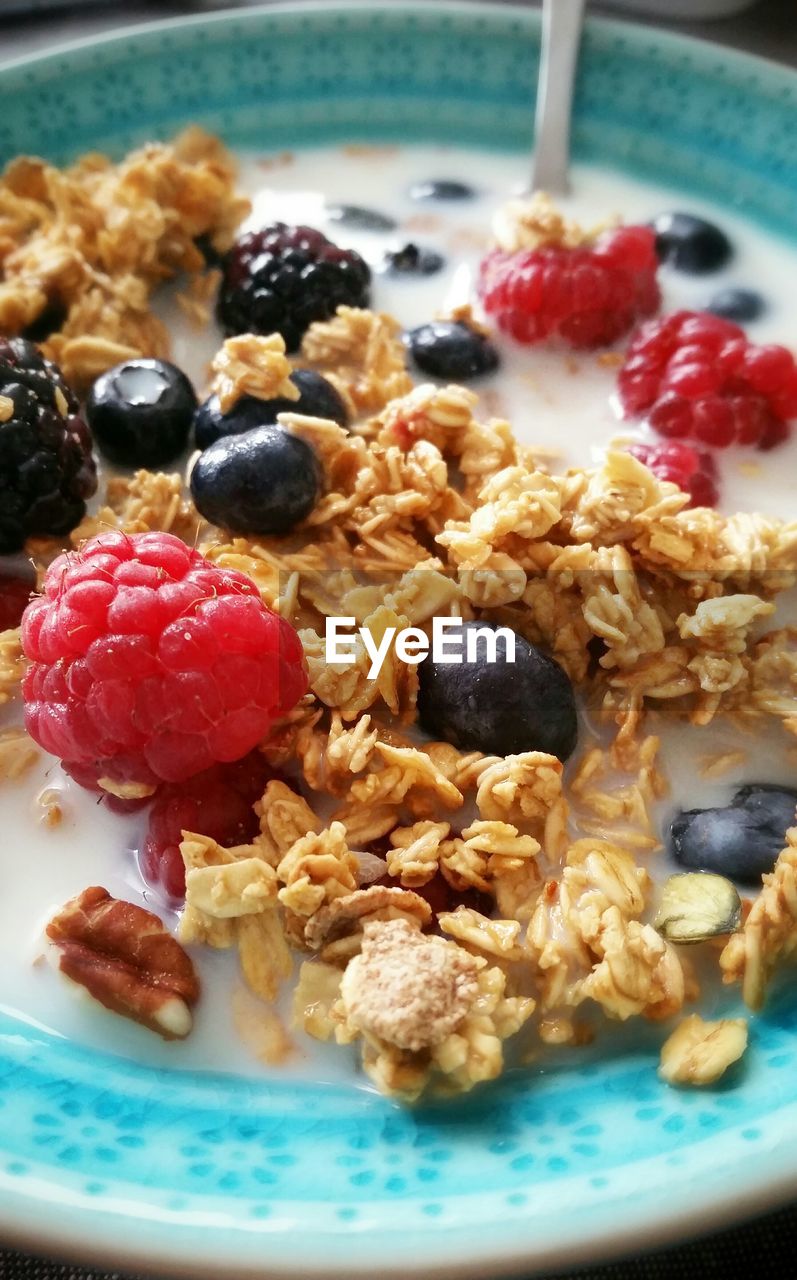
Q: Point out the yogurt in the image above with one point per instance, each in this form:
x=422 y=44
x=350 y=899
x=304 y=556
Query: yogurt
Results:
x=561 y=401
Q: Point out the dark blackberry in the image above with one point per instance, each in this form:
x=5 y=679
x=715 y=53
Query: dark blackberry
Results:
x=46 y=465
x=280 y=279
x=317 y=399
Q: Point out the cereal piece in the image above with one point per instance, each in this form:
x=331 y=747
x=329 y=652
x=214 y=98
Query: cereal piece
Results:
x=264 y=954
x=416 y=850
x=363 y=356
x=484 y=853
x=535 y=222
x=139 y=503
x=769 y=934
x=482 y=935
x=12 y=664
x=349 y=914
x=316 y=991
x=197 y=928
x=405 y=770
x=699 y=1052
x=238 y=889
x=261 y=1029
x=18 y=754
x=252 y=365
x=317 y=868
x=406 y=988
x=284 y=818
x=526 y=791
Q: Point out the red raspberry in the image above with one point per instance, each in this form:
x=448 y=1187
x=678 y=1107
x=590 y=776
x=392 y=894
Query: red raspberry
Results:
x=695 y=376
x=149 y=664
x=590 y=296
x=216 y=803
x=693 y=470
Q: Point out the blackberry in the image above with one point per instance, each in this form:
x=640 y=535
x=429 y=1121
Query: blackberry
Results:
x=47 y=470
x=280 y=279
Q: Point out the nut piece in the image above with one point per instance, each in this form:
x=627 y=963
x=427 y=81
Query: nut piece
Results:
x=126 y=959
x=697 y=905
x=700 y=1052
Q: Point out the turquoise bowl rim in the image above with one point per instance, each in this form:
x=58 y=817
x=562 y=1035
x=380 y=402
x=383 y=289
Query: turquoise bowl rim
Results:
x=46 y=1206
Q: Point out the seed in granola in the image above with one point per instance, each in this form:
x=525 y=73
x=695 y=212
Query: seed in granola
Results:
x=280 y=279
x=451 y=350
x=487 y=703
x=47 y=469
x=741 y=840
x=140 y=412
x=317 y=399
x=261 y=482
x=697 y=905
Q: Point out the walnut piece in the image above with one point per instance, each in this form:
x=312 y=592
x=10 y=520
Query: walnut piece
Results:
x=125 y=958
x=700 y=1052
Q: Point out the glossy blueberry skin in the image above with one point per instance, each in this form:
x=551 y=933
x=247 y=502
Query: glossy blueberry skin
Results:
x=317 y=399
x=499 y=708
x=691 y=244
x=742 y=840
x=140 y=412
x=263 y=481
x=360 y=219
x=413 y=260
x=441 y=189
x=740 y=305
x=450 y=350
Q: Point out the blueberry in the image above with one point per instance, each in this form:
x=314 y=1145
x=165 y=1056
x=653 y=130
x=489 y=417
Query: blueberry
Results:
x=690 y=243
x=359 y=219
x=140 y=412
x=317 y=399
x=498 y=707
x=445 y=189
x=741 y=840
x=450 y=349
x=260 y=482
x=411 y=260
x=737 y=304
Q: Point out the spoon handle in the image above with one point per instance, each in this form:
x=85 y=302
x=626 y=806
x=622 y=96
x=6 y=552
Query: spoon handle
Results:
x=562 y=23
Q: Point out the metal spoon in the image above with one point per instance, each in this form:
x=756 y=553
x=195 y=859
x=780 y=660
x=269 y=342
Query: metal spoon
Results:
x=562 y=24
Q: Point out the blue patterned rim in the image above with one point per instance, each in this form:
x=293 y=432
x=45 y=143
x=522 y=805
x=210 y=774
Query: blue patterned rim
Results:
x=199 y=1172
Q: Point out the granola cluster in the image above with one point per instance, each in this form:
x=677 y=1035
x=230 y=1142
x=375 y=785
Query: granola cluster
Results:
x=88 y=244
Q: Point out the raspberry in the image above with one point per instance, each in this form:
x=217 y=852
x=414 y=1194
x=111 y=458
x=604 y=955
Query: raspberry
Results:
x=590 y=295
x=280 y=279
x=693 y=470
x=216 y=803
x=149 y=664
x=694 y=375
x=46 y=465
